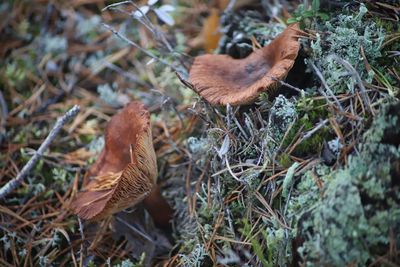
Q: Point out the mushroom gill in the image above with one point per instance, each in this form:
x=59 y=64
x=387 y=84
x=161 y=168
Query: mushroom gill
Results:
x=126 y=171
x=221 y=79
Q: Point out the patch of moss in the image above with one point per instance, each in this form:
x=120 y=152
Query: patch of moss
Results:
x=312 y=145
x=311 y=112
x=284 y=160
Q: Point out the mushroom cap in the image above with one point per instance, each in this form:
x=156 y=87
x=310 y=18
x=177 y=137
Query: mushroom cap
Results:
x=221 y=79
x=126 y=171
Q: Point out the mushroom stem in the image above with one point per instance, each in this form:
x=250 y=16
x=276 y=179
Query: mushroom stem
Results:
x=159 y=209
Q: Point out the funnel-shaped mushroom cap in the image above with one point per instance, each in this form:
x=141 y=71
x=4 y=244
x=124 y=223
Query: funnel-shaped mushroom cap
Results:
x=223 y=80
x=126 y=171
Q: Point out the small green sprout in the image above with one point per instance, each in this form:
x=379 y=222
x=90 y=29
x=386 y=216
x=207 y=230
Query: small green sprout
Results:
x=304 y=14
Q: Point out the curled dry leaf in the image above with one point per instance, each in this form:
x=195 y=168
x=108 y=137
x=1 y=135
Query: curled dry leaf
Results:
x=223 y=80
x=126 y=171
x=209 y=37
x=210 y=32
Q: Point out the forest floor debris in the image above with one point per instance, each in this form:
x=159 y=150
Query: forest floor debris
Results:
x=307 y=174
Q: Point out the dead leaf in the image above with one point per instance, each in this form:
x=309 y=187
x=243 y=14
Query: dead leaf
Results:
x=210 y=31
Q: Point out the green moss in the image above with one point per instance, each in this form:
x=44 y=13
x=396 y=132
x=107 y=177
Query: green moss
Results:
x=386 y=25
x=312 y=145
x=311 y=112
x=306 y=14
x=14 y=74
x=285 y=160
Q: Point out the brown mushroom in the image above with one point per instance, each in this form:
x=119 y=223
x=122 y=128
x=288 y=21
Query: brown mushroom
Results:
x=126 y=171
x=222 y=80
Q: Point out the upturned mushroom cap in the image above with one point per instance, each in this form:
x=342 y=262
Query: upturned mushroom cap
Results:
x=221 y=79
x=126 y=171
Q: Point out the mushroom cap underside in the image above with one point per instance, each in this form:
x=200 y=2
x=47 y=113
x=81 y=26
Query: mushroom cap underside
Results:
x=126 y=171
x=96 y=203
x=121 y=134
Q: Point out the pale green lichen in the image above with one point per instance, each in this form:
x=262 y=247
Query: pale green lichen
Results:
x=360 y=207
x=288 y=181
x=279 y=248
x=54 y=44
x=335 y=146
x=96 y=145
x=194 y=258
x=283 y=113
x=108 y=95
x=172 y=86
x=88 y=28
x=336 y=227
x=111 y=96
x=346 y=36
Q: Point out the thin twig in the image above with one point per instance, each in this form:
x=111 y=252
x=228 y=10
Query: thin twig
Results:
x=147 y=53
x=81 y=256
x=231 y=172
x=3 y=106
x=327 y=88
x=356 y=76
x=158 y=35
x=286 y=84
x=4 y=115
x=11 y=185
x=115 y=5
x=136 y=230
x=126 y=74
x=230 y=6
x=311 y=132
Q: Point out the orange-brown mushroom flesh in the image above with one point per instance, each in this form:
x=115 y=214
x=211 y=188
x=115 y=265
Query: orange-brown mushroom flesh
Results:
x=126 y=170
x=223 y=80
x=121 y=134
